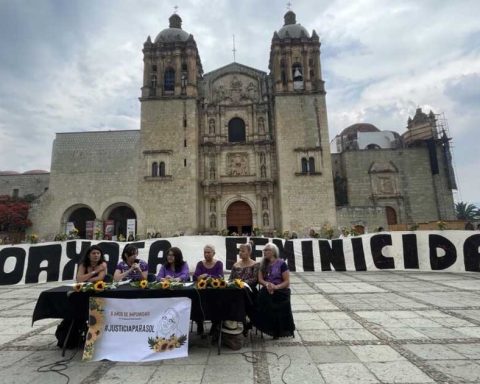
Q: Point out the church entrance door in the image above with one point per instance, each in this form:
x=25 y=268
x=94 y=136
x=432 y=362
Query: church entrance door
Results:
x=120 y=215
x=239 y=218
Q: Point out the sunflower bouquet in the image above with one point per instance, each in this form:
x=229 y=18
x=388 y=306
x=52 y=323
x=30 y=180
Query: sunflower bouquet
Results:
x=143 y=284
x=166 y=284
x=211 y=282
x=236 y=283
x=162 y=344
x=98 y=286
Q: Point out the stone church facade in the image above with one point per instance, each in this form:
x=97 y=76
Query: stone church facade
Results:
x=235 y=148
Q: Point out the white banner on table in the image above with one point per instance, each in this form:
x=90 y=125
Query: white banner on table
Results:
x=137 y=330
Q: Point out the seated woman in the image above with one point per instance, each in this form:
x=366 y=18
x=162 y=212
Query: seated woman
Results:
x=93 y=266
x=274 y=312
x=130 y=267
x=246 y=268
x=205 y=269
x=175 y=268
x=208 y=267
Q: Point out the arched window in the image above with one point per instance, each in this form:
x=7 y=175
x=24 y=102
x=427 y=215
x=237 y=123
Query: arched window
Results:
x=304 y=165
x=311 y=165
x=154 y=169
x=264 y=203
x=266 y=221
x=213 y=221
x=169 y=80
x=213 y=205
x=297 y=75
x=161 y=169
x=236 y=130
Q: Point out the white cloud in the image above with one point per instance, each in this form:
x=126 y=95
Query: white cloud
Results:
x=76 y=65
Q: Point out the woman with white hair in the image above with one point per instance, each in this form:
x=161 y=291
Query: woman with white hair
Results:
x=274 y=312
x=209 y=267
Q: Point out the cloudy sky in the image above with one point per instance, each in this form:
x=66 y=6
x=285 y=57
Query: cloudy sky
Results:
x=76 y=65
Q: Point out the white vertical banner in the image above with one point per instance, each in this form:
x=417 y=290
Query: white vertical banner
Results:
x=137 y=330
x=131 y=227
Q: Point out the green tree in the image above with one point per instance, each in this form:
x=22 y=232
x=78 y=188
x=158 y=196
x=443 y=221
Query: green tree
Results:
x=466 y=211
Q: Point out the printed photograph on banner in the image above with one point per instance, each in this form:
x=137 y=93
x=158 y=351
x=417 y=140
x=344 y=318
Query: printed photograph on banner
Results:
x=137 y=330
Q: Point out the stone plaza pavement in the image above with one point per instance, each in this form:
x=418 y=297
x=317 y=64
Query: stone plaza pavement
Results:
x=352 y=327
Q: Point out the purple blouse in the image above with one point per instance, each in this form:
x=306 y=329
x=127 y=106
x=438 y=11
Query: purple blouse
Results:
x=274 y=272
x=215 y=271
x=134 y=275
x=183 y=274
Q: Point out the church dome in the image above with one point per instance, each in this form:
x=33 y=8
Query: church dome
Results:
x=359 y=127
x=174 y=32
x=291 y=29
x=8 y=173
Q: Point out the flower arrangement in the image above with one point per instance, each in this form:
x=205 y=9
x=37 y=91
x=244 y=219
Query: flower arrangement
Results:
x=98 y=234
x=60 y=237
x=161 y=344
x=326 y=231
x=33 y=238
x=413 y=227
x=218 y=283
x=441 y=225
x=73 y=234
x=98 y=286
x=353 y=231
x=163 y=284
x=143 y=284
x=257 y=231
x=121 y=237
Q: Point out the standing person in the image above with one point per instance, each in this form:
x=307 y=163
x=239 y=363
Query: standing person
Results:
x=130 y=267
x=93 y=266
x=274 y=312
x=209 y=267
x=175 y=268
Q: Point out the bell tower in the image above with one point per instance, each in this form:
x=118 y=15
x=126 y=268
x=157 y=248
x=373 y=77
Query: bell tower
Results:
x=305 y=184
x=168 y=177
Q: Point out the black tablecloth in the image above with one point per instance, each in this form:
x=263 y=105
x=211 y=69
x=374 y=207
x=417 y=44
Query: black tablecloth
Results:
x=207 y=304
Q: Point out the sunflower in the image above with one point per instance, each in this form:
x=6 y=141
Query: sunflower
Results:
x=78 y=287
x=201 y=284
x=143 y=284
x=99 y=286
x=165 y=284
x=215 y=283
x=223 y=283
x=239 y=283
x=171 y=344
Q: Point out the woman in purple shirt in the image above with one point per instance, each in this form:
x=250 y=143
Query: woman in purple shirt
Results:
x=130 y=267
x=274 y=312
x=208 y=267
x=175 y=268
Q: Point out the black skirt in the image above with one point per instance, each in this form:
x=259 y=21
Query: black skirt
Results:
x=274 y=313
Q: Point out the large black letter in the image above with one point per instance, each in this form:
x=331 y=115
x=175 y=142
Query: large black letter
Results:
x=286 y=253
x=52 y=254
x=232 y=249
x=358 y=254
x=155 y=248
x=471 y=254
x=332 y=255
x=410 y=251
x=69 y=268
x=377 y=243
x=438 y=263
x=16 y=275
x=257 y=241
x=110 y=249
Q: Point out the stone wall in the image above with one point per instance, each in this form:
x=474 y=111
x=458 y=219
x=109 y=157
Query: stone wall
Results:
x=26 y=184
x=306 y=200
x=92 y=169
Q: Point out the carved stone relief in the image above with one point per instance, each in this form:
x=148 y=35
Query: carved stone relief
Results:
x=237 y=164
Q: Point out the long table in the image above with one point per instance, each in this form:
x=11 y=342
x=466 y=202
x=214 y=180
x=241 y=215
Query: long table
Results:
x=207 y=304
